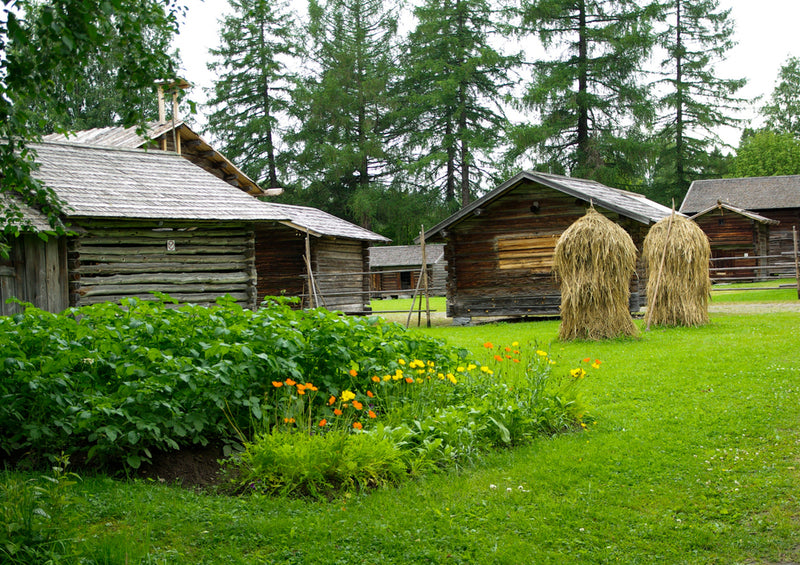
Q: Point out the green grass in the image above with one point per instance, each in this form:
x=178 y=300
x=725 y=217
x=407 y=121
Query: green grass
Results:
x=728 y=293
x=693 y=459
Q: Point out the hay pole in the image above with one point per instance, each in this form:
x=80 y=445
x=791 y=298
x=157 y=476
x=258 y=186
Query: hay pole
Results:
x=660 y=269
x=796 y=263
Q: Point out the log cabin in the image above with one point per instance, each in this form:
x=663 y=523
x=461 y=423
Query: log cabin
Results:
x=338 y=250
x=146 y=221
x=499 y=249
x=776 y=198
x=735 y=232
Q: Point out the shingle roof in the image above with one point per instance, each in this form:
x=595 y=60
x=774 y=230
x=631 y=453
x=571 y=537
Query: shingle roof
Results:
x=404 y=255
x=131 y=183
x=321 y=223
x=752 y=193
x=200 y=152
x=742 y=212
x=29 y=219
x=628 y=204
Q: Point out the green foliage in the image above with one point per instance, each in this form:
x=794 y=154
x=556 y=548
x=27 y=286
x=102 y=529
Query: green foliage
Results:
x=584 y=96
x=766 y=154
x=783 y=110
x=251 y=91
x=119 y=381
x=34 y=517
x=695 y=101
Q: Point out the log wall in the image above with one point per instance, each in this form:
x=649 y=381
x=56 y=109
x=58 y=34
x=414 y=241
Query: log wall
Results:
x=279 y=262
x=191 y=261
x=734 y=235
x=36 y=272
x=499 y=261
x=780 y=240
x=341 y=268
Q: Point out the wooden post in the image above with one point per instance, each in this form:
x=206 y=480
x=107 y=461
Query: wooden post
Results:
x=425 y=276
x=413 y=300
x=796 y=261
x=312 y=287
x=660 y=270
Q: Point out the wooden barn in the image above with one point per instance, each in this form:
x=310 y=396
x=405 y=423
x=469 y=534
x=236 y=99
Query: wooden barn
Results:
x=395 y=269
x=499 y=249
x=735 y=232
x=144 y=221
x=775 y=198
x=338 y=249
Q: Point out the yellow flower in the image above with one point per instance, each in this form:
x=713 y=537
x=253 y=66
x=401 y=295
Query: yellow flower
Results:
x=541 y=353
x=347 y=395
x=471 y=367
x=441 y=376
x=515 y=344
x=460 y=369
x=430 y=364
x=387 y=377
x=578 y=373
x=401 y=361
x=595 y=365
x=452 y=378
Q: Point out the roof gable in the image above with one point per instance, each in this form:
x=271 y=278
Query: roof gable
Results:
x=628 y=204
x=319 y=223
x=746 y=213
x=750 y=193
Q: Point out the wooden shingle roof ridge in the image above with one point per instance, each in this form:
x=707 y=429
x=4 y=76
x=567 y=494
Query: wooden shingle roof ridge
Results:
x=117 y=182
x=320 y=223
x=747 y=193
x=119 y=136
x=720 y=205
x=628 y=204
x=405 y=255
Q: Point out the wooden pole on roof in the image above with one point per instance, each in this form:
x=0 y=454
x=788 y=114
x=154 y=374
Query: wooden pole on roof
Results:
x=660 y=269
x=796 y=261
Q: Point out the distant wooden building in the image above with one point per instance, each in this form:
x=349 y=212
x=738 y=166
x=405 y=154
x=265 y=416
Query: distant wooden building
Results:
x=775 y=198
x=734 y=232
x=395 y=269
x=499 y=249
x=144 y=221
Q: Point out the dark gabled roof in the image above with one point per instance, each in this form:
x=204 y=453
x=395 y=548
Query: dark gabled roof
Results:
x=194 y=148
x=404 y=255
x=319 y=223
x=751 y=193
x=628 y=204
x=107 y=182
x=742 y=212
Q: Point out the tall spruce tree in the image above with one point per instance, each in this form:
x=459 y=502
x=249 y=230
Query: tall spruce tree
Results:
x=252 y=90
x=591 y=99
x=449 y=104
x=695 y=102
x=342 y=103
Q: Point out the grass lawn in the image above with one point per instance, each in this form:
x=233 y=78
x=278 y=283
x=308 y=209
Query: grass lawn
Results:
x=729 y=292
x=694 y=457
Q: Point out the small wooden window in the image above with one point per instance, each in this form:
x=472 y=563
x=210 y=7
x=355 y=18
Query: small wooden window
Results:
x=533 y=253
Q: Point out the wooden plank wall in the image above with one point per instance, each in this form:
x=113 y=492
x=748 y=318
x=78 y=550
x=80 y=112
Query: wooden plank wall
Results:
x=780 y=239
x=499 y=261
x=279 y=261
x=117 y=259
x=341 y=268
x=36 y=272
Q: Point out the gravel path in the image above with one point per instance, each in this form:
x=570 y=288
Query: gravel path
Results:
x=753 y=307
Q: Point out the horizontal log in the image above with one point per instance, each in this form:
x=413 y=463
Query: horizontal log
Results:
x=241 y=298
x=172 y=278
x=163 y=258
x=160 y=250
x=138 y=289
x=162 y=240
x=162 y=233
x=123 y=268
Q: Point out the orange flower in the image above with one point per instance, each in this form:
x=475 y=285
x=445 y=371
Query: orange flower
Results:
x=353 y=373
x=508 y=350
x=376 y=379
x=288 y=420
x=357 y=425
x=369 y=393
x=587 y=360
x=323 y=423
x=331 y=400
x=498 y=358
x=337 y=412
x=277 y=384
x=515 y=360
x=597 y=361
x=301 y=391
x=372 y=414
x=290 y=382
x=409 y=380
x=488 y=345
x=357 y=405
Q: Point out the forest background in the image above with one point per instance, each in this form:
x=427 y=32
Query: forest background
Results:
x=395 y=115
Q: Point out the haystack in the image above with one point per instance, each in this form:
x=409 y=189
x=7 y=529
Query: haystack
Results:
x=594 y=260
x=679 y=295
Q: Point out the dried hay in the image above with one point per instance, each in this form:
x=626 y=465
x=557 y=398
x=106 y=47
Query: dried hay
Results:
x=595 y=259
x=681 y=298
